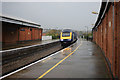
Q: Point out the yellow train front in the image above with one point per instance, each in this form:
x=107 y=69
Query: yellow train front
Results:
x=67 y=37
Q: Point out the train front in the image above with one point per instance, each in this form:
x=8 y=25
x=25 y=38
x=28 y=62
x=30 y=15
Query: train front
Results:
x=66 y=37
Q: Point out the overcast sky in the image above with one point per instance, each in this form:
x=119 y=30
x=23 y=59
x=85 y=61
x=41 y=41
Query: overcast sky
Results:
x=60 y=15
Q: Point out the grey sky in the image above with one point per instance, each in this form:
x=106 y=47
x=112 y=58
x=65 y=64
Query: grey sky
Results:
x=61 y=15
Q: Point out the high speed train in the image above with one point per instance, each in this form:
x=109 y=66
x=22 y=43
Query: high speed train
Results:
x=68 y=36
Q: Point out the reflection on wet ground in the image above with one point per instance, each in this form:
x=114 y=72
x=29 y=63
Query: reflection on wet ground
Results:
x=86 y=62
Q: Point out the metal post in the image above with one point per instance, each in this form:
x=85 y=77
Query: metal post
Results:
x=87 y=33
x=113 y=40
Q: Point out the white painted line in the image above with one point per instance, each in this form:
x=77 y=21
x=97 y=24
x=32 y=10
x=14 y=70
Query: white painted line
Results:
x=31 y=64
x=28 y=65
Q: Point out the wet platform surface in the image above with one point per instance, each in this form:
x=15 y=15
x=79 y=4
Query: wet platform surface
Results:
x=27 y=43
x=86 y=62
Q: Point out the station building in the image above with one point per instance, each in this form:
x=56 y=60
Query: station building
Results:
x=106 y=34
x=16 y=30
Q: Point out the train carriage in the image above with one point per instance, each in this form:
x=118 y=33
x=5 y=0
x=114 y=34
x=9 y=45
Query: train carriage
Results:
x=68 y=36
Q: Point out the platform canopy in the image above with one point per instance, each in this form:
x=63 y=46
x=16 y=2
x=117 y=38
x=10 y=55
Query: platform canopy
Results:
x=20 y=21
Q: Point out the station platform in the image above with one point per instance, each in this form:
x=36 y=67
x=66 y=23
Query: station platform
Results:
x=27 y=43
x=82 y=60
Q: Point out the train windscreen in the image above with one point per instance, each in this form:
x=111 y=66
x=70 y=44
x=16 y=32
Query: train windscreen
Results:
x=65 y=34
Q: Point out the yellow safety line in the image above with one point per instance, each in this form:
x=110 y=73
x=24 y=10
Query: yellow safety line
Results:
x=58 y=63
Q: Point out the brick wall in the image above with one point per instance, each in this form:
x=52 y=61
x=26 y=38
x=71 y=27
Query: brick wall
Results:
x=9 y=33
x=13 y=33
x=107 y=37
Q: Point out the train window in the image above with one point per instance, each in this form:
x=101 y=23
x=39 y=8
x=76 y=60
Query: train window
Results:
x=65 y=34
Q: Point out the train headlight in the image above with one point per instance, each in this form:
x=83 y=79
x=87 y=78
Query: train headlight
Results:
x=61 y=39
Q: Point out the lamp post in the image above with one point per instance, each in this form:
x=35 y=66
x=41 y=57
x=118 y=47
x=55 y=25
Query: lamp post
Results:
x=87 y=32
x=92 y=30
x=94 y=13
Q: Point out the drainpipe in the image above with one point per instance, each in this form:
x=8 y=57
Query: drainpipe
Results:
x=113 y=38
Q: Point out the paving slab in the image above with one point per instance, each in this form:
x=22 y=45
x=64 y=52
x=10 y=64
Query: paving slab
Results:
x=86 y=62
